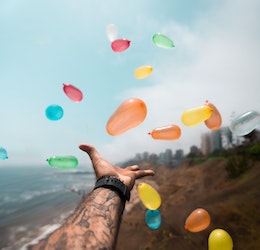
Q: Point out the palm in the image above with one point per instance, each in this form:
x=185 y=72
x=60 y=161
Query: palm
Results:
x=104 y=168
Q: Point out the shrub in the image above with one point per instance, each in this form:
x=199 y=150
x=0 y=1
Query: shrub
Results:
x=254 y=152
x=237 y=164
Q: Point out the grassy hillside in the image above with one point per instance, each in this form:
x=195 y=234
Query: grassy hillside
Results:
x=233 y=205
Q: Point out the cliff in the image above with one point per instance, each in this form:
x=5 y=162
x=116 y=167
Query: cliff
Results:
x=233 y=205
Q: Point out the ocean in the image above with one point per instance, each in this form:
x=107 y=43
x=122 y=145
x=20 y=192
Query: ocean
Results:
x=34 y=201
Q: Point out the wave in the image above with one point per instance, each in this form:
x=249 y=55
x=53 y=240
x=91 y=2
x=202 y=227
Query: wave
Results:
x=29 y=195
x=21 y=237
x=76 y=173
x=45 y=231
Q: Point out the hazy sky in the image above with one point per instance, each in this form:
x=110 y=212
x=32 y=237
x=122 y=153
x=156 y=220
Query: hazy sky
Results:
x=44 y=44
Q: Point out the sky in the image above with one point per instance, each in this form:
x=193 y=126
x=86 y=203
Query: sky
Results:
x=47 y=43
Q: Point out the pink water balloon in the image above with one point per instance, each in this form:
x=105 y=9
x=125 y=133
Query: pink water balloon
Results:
x=72 y=92
x=120 y=45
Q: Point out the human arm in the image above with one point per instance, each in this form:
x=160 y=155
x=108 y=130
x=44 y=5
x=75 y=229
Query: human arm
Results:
x=96 y=221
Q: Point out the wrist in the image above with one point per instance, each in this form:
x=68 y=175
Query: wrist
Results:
x=113 y=183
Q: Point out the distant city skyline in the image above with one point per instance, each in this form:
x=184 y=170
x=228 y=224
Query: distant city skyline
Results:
x=220 y=139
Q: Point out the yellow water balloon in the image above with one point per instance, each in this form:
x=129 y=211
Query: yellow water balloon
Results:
x=149 y=196
x=143 y=72
x=195 y=116
x=219 y=239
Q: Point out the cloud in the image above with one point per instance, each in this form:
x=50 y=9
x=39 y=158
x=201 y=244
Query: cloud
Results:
x=216 y=58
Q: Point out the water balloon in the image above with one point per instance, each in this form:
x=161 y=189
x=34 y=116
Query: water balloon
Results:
x=54 y=112
x=195 y=116
x=215 y=120
x=162 y=41
x=219 y=239
x=128 y=115
x=63 y=162
x=120 y=45
x=143 y=72
x=3 y=154
x=112 y=32
x=198 y=220
x=245 y=123
x=149 y=196
x=170 y=132
x=72 y=92
x=153 y=218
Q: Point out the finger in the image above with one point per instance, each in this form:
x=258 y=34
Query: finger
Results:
x=133 y=168
x=143 y=173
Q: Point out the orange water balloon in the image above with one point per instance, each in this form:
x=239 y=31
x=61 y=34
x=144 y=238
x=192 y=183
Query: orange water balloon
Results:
x=197 y=221
x=128 y=115
x=143 y=72
x=195 y=116
x=215 y=120
x=170 y=132
x=149 y=196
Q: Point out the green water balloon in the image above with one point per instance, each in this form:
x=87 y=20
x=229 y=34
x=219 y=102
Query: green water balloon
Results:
x=162 y=41
x=63 y=162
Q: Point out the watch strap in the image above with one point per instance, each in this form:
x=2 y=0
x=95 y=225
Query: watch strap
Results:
x=114 y=184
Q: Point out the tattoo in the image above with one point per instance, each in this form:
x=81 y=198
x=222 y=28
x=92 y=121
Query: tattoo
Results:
x=93 y=225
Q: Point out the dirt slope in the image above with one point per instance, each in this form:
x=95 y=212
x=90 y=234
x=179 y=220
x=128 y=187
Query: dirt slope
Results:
x=233 y=206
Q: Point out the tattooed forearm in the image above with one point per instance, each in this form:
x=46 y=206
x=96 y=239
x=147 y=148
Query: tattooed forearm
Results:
x=89 y=227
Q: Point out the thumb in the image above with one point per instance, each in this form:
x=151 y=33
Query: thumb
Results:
x=92 y=152
x=86 y=148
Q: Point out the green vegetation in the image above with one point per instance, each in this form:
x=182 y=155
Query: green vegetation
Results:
x=237 y=163
x=238 y=158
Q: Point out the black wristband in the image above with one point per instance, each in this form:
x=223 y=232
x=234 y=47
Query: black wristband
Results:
x=114 y=184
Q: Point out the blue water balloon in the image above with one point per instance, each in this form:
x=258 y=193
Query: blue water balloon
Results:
x=153 y=218
x=3 y=154
x=54 y=112
x=245 y=123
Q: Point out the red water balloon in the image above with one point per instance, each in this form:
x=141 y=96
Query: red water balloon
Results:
x=120 y=45
x=72 y=92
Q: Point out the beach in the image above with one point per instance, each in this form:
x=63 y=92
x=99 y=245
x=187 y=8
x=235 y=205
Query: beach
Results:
x=34 y=201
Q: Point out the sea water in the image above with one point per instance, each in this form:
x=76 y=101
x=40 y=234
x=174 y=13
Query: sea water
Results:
x=34 y=201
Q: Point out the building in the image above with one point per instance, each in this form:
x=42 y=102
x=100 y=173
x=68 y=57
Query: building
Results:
x=179 y=153
x=219 y=139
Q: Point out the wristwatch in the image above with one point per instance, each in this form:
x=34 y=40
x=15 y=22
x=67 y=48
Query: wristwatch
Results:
x=114 y=183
